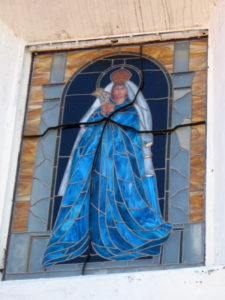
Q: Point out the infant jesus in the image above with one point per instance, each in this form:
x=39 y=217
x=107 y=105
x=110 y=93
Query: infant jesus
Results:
x=104 y=97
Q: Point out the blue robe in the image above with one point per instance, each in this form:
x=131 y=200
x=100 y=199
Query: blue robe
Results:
x=109 y=190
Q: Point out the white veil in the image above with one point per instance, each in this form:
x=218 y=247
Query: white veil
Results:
x=145 y=123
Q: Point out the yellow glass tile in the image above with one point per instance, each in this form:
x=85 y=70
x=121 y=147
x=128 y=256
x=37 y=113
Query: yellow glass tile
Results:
x=198 y=139
x=36 y=97
x=26 y=169
x=109 y=51
x=135 y=49
x=76 y=60
x=42 y=68
x=162 y=52
x=197 y=206
x=20 y=217
x=198 y=108
x=199 y=83
x=34 y=110
x=25 y=184
x=33 y=122
x=29 y=152
x=198 y=55
x=197 y=168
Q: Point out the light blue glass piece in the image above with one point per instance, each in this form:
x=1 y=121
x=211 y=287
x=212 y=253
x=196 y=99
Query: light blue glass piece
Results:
x=37 y=248
x=180 y=162
x=177 y=182
x=184 y=137
x=18 y=252
x=44 y=172
x=193 y=243
x=53 y=91
x=58 y=68
x=48 y=145
x=35 y=223
x=183 y=106
x=177 y=215
x=40 y=209
x=171 y=249
x=180 y=93
x=39 y=155
x=181 y=57
x=181 y=200
x=39 y=191
x=177 y=118
x=50 y=113
x=175 y=147
x=182 y=80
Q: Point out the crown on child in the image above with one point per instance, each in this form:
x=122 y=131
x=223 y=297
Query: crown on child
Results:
x=121 y=75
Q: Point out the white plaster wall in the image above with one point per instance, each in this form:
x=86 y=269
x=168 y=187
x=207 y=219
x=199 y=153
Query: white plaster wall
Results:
x=11 y=119
x=194 y=284
x=215 y=204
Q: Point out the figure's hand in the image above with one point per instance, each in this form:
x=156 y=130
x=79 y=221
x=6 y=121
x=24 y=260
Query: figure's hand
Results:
x=107 y=108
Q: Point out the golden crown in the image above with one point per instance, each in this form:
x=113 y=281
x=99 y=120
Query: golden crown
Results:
x=121 y=75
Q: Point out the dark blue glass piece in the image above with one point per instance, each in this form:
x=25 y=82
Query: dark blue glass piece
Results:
x=56 y=207
x=67 y=140
x=80 y=86
x=60 y=171
x=118 y=62
x=159 y=114
x=75 y=107
x=98 y=66
x=159 y=151
x=155 y=85
x=160 y=176
x=143 y=63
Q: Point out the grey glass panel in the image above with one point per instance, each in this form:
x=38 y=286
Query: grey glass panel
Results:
x=181 y=57
x=177 y=118
x=58 y=68
x=37 y=248
x=39 y=155
x=44 y=172
x=36 y=223
x=183 y=106
x=40 y=209
x=18 y=251
x=50 y=113
x=53 y=91
x=193 y=243
x=175 y=146
x=180 y=93
x=181 y=200
x=177 y=182
x=182 y=80
x=171 y=249
x=181 y=162
x=39 y=191
x=48 y=145
x=177 y=215
x=184 y=137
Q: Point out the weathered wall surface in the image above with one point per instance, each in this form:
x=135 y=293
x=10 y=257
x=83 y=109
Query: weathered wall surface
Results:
x=11 y=117
x=215 y=187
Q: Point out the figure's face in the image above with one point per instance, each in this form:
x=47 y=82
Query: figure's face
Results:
x=119 y=93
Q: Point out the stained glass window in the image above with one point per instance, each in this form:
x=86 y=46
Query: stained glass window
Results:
x=120 y=192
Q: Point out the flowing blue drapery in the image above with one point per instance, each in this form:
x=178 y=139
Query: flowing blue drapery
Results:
x=109 y=202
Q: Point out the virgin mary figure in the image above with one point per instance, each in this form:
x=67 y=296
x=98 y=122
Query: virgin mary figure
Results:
x=109 y=187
